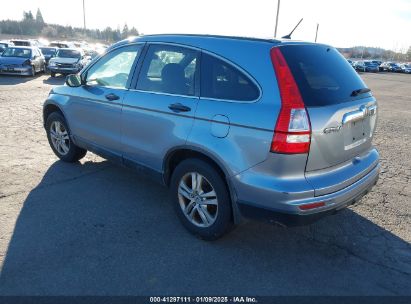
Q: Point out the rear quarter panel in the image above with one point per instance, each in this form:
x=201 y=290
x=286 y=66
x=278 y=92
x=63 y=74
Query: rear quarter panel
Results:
x=250 y=124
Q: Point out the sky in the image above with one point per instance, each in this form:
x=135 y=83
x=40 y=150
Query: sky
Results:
x=378 y=23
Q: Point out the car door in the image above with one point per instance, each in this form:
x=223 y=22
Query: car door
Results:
x=158 y=114
x=94 y=108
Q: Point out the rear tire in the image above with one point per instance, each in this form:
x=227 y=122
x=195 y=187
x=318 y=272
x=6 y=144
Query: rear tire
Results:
x=59 y=137
x=201 y=199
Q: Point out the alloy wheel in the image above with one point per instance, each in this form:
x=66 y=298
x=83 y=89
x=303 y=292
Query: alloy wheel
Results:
x=59 y=137
x=198 y=199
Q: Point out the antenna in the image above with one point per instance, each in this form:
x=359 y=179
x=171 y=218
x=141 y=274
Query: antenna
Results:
x=289 y=35
x=316 y=33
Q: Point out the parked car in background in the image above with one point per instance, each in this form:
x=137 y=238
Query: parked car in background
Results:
x=48 y=53
x=62 y=44
x=366 y=66
x=378 y=63
x=24 y=42
x=21 y=60
x=67 y=61
x=352 y=63
x=233 y=126
x=390 y=67
x=406 y=68
x=4 y=45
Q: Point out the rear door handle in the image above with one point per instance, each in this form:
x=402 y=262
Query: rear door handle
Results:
x=112 y=97
x=178 y=107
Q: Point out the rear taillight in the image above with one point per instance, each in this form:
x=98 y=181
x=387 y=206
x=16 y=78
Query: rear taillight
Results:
x=292 y=132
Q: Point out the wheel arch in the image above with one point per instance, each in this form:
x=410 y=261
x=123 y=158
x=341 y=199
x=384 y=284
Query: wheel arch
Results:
x=51 y=108
x=179 y=154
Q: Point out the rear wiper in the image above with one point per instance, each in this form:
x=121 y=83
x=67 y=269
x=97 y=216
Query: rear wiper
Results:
x=360 y=91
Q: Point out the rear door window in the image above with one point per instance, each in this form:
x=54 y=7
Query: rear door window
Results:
x=221 y=80
x=169 y=69
x=323 y=75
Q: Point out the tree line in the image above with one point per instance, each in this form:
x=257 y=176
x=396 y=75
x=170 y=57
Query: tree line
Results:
x=376 y=53
x=36 y=26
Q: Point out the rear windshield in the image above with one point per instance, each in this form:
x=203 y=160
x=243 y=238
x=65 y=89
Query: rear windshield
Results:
x=323 y=75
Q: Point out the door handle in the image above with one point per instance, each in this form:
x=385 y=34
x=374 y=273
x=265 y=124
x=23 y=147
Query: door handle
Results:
x=112 y=97
x=178 y=107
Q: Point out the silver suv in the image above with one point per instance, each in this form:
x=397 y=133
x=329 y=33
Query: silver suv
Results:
x=235 y=127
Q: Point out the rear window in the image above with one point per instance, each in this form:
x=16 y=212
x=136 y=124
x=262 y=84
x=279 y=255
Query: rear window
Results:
x=221 y=80
x=322 y=74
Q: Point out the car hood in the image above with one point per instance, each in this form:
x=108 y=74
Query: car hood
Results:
x=12 y=60
x=64 y=60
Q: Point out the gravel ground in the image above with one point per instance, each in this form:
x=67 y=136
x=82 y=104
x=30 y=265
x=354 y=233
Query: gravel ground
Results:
x=94 y=228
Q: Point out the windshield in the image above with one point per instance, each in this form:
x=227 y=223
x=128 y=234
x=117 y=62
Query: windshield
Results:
x=48 y=51
x=17 y=52
x=68 y=54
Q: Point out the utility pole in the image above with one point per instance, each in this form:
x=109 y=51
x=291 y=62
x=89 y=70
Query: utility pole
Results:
x=84 y=16
x=276 y=19
x=316 y=32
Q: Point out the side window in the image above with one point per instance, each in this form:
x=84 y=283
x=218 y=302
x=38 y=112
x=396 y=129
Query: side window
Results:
x=168 y=69
x=221 y=80
x=113 y=69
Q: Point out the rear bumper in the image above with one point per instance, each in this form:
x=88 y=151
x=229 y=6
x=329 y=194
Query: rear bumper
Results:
x=290 y=214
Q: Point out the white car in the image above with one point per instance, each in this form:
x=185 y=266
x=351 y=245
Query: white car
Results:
x=406 y=68
x=67 y=61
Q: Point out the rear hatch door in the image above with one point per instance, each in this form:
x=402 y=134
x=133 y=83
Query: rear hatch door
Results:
x=342 y=112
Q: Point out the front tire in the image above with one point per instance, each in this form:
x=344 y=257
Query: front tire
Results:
x=201 y=199
x=33 y=71
x=59 y=137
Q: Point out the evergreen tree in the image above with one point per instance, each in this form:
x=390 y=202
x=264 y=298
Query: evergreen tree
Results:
x=28 y=16
x=133 y=32
x=39 y=17
x=125 y=32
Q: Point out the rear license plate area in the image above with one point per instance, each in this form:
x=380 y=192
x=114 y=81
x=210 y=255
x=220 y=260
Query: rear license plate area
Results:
x=354 y=134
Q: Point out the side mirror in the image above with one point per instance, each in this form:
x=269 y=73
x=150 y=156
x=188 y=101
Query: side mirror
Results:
x=74 y=80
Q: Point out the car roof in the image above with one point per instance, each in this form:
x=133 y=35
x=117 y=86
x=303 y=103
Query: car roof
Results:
x=200 y=40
